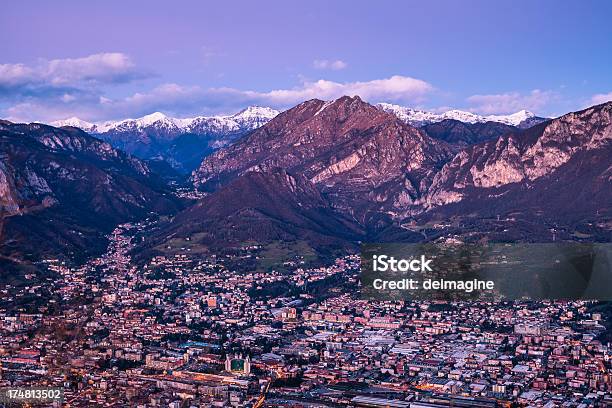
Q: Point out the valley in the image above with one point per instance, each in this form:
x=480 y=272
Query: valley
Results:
x=325 y=174
x=124 y=281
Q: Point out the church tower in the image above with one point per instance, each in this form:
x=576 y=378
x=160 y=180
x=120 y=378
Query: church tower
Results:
x=228 y=363
x=247 y=365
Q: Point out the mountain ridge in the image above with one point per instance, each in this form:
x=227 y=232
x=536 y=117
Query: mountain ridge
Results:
x=523 y=156
x=464 y=134
x=415 y=117
x=257 y=114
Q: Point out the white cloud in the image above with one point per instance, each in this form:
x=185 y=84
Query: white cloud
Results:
x=173 y=96
x=68 y=98
x=395 y=88
x=195 y=100
x=15 y=74
x=42 y=111
x=600 y=98
x=52 y=77
x=510 y=102
x=187 y=98
x=329 y=64
x=104 y=67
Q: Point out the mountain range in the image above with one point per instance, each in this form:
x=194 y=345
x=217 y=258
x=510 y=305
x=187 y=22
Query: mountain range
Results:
x=394 y=180
x=366 y=161
x=182 y=143
x=463 y=134
x=336 y=173
x=325 y=174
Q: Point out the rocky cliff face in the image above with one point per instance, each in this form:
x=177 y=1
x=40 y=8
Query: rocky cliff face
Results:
x=522 y=157
x=9 y=204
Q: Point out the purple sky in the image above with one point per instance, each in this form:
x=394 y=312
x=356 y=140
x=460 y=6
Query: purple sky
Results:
x=108 y=60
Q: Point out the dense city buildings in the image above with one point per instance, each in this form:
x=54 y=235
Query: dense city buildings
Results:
x=187 y=330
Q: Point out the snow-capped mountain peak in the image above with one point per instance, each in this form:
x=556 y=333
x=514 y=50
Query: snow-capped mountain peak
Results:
x=74 y=122
x=461 y=116
x=159 y=136
x=256 y=112
x=516 y=117
x=253 y=117
x=152 y=118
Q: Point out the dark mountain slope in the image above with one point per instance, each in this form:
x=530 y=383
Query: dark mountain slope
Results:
x=263 y=206
x=62 y=190
x=464 y=134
